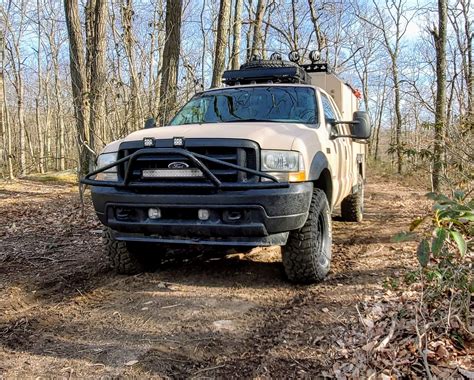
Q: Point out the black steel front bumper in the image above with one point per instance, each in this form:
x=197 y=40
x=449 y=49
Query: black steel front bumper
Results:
x=241 y=213
x=265 y=215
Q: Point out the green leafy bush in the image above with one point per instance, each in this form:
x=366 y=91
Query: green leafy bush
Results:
x=445 y=255
x=451 y=230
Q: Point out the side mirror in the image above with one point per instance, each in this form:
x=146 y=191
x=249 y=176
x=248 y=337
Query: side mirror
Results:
x=332 y=125
x=150 y=123
x=361 y=128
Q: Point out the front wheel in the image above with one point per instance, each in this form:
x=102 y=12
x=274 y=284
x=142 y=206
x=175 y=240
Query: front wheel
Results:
x=307 y=254
x=128 y=257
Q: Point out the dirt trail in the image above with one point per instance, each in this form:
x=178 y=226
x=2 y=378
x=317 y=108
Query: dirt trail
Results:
x=64 y=313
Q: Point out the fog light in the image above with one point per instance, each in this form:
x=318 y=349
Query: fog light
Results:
x=154 y=213
x=203 y=214
x=148 y=141
x=178 y=141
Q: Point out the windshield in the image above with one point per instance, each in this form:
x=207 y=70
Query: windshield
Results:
x=272 y=104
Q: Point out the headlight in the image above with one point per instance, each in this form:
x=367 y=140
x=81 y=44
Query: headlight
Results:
x=285 y=165
x=280 y=160
x=103 y=160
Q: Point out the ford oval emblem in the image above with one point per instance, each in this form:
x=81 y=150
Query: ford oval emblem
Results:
x=178 y=165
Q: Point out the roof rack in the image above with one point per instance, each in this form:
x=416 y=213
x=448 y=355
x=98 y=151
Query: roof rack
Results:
x=276 y=70
x=286 y=74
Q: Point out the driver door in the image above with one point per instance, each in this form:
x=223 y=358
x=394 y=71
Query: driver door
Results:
x=340 y=150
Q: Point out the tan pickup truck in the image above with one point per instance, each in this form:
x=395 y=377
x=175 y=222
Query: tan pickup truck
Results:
x=263 y=161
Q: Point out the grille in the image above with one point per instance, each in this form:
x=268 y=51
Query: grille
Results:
x=246 y=157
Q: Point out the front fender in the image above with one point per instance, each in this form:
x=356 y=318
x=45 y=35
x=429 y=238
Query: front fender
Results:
x=318 y=164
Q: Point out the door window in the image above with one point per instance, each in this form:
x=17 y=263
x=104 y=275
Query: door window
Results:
x=329 y=112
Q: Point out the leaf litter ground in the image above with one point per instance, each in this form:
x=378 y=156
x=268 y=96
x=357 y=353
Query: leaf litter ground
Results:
x=64 y=313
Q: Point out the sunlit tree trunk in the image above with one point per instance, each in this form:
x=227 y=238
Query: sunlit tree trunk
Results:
x=257 y=42
x=39 y=95
x=320 y=37
x=169 y=82
x=236 y=33
x=98 y=77
x=440 y=37
x=221 y=42
x=79 y=83
x=4 y=114
x=137 y=115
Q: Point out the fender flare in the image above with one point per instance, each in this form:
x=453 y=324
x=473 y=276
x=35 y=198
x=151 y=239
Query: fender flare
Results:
x=318 y=164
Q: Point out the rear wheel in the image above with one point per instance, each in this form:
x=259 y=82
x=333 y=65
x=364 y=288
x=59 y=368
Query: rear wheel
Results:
x=307 y=254
x=352 y=206
x=128 y=257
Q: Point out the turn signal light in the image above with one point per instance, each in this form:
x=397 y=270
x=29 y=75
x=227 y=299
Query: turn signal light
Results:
x=297 y=176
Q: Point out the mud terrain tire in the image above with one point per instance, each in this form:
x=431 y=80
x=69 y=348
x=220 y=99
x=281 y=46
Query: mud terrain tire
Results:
x=266 y=63
x=352 y=206
x=307 y=254
x=127 y=257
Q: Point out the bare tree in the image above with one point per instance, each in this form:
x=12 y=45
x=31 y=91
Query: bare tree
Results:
x=169 y=82
x=236 y=33
x=461 y=21
x=392 y=22
x=55 y=44
x=315 y=19
x=98 y=75
x=13 y=47
x=136 y=106
x=4 y=118
x=39 y=94
x=440 y=36
x=257 y=41
x=221 y=42
x=79 y=84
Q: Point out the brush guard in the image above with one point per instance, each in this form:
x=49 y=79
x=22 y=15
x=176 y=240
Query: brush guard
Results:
x=197 y=159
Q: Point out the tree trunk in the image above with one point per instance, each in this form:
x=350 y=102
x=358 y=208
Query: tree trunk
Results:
x=257 y=47
x=21 y=123
x=204 y=46
x=320 y=37
x=8 y=129
x=4 y=116
x=60 y=117
x=379 y=120
x=237 y=31
x=3 y=132
x=127 y=12
x=79 y=83
x=440 y=37
x=221 y=42
x=39 y=95
x=169 y=81
x=98 y=74
x=398 y=116
x=469 y=72
x=248 y=35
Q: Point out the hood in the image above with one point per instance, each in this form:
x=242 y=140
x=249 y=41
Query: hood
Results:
x=267 y=135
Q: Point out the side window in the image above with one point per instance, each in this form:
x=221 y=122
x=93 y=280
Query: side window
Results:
x=328 y=109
